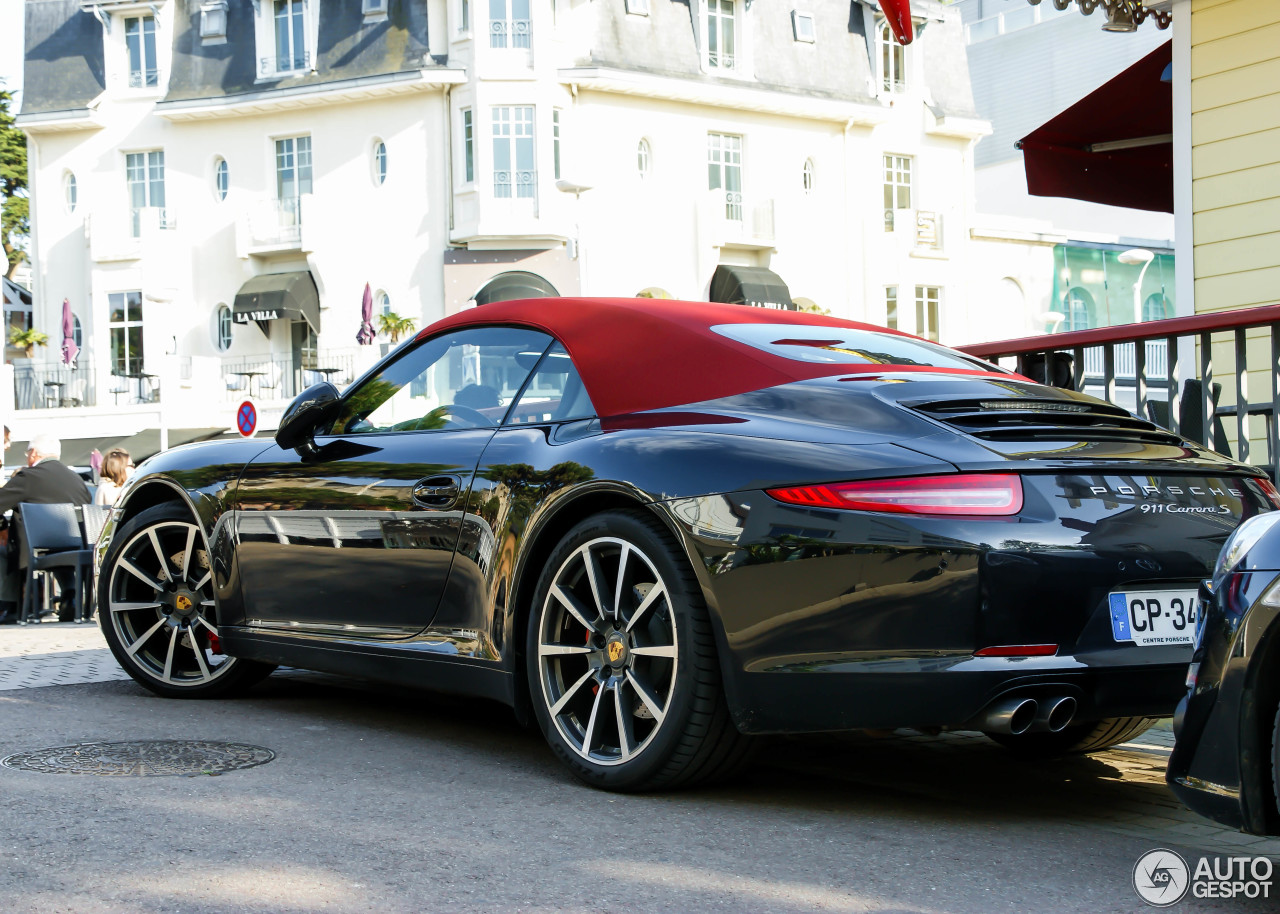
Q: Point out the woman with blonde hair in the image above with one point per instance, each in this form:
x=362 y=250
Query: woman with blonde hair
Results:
x=116 y=467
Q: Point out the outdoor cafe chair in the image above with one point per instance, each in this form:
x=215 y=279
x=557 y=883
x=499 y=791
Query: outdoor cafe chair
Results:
x=51 y=537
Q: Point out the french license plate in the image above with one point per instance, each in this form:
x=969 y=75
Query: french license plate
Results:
x=1148 y=617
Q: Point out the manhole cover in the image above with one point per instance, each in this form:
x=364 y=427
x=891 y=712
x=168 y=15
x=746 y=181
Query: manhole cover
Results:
x=142 y=758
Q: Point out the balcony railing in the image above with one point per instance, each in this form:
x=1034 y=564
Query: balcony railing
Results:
x=281 y=378
x=140 y=79
x=50 y=385
x=510 y=33
x=743 y=220
x=275 y=225
x=1165 y=371
x=284 y=66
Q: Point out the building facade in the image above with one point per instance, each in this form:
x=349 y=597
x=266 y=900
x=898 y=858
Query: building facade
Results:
x=215 y=182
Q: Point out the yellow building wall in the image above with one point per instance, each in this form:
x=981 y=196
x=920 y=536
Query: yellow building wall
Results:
x=1235 y=167
x=1235 y=152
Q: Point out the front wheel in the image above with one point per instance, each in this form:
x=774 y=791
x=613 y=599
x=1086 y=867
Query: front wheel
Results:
x=1076 y=739
x=158 y=612
x=622 y=661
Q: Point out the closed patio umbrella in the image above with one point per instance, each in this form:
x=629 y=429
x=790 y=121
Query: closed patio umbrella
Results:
x=69 y=348
x=366 y=334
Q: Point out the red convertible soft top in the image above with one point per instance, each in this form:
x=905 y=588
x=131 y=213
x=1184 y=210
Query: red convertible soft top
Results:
x=637 y=354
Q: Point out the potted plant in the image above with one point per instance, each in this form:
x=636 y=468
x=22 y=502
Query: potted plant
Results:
x=27 y=340
x=395 y=326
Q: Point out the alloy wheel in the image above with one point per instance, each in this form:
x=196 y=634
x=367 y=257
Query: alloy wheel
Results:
x=162 y=609
x=607 y=651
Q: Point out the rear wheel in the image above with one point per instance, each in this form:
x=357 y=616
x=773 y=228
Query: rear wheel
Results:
x=622 y=662
x=1076 y=739
x=1275 y=758
x=158 y=611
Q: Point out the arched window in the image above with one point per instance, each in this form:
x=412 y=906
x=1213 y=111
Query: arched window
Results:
x=893 y=60
x=221 y=178
x=77 y=333
x=644 y=158
x=70 y=191
x=383 y=301
x=222 y=327
x=808 y=176
x=1156 y=307
x=379 y=163
x=1080 y=309
x=513 y=285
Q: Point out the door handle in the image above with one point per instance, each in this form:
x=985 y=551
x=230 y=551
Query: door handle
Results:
x=437 y=491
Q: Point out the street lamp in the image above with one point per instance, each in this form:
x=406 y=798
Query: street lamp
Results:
x=1133 y=257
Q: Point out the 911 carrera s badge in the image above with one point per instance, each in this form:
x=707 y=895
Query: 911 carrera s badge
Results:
x=615 y=651
x=183 y=602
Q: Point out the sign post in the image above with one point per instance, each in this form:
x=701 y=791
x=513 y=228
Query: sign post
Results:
x=246 y=418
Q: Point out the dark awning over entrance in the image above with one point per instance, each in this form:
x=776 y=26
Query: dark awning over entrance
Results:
x=514 y=285
x=1114 y=146
x=273 y=296
x=750 y=286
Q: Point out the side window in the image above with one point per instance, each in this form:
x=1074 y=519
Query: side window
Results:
x=555 y=393
x=464 y=379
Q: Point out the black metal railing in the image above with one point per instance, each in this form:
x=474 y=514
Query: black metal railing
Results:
x=282 y=377
x=1164 y=371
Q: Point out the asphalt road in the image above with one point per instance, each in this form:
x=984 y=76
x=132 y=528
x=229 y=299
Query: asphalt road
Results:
x=383 y=800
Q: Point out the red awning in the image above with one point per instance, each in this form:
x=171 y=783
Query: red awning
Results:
x=898 y=14
x=1114 y=146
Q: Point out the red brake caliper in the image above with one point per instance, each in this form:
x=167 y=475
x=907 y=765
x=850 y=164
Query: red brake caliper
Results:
x=214 y=644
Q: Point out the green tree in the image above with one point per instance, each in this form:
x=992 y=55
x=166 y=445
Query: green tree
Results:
x=395 y=326
x=15 y=224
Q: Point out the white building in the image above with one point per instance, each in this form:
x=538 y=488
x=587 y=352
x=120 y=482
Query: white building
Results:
x=215 y=181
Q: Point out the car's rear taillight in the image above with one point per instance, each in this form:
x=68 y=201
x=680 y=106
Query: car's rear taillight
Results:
x=1269 y=490
x=980 y=494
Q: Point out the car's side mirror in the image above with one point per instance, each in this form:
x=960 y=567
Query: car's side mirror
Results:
x=310 y=410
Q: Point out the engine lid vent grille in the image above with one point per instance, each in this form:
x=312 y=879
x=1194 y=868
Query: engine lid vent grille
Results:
x=1044 y=420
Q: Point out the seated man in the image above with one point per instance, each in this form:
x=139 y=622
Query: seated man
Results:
x=45 y=481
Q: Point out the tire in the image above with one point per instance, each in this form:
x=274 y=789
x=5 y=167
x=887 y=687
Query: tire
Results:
x=1275 y=759
x=158 y=611
x=1076 y=739
x=624 y=680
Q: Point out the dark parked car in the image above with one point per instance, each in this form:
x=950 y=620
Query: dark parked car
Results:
x=1226 y=761
x=657 y=527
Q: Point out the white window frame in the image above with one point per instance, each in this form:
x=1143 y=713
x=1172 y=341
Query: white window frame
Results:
x=802 y=26
x=146 y=77
x=268 y=68
x=221 y=178
x=644 y=158
x=808 y=176
x=70 y=191
x=379 y=162
x=892 y=317
x=714 y=13
x=509 y=125
x=223 y=328
x=374 y=10
x=929 y=312
x=302 y=166
x=145 y=169
x=507 y=32
x=464 y=18
x=891 y=60
x=637 y=7
x=467 y=118
x=724 y=163
x=898 y=176
x=556 y=124
x=132 y=364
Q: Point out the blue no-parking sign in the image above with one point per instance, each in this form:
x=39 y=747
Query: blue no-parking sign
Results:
x=247 y=419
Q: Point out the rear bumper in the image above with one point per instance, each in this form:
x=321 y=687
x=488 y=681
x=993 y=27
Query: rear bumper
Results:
x=941 y=691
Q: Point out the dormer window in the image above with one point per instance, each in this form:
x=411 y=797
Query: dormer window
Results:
x=291 y=41
x=140 y=41
x=721 y=34
x=893 y=60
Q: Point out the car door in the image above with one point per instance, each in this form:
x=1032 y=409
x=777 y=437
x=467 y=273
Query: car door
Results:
x=358 y=537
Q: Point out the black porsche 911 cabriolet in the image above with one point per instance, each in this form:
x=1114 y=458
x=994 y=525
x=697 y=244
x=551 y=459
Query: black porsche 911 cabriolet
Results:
x=658 y=527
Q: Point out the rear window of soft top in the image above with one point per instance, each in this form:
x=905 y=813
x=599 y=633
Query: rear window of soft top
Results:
x=847 y=345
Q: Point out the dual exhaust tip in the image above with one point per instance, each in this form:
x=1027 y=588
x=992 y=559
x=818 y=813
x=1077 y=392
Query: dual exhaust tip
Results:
x=1015 y=716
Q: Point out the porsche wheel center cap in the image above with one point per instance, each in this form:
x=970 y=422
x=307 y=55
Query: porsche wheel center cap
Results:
x=184 y=603
x=616 y=650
